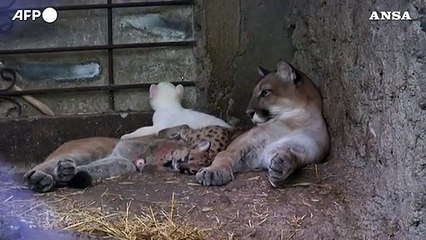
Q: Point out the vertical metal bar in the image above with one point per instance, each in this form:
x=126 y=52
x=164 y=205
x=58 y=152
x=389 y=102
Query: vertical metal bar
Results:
x=110 y=57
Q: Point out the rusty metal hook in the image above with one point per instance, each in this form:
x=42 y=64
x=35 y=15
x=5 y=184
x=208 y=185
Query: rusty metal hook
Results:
x=9 y=75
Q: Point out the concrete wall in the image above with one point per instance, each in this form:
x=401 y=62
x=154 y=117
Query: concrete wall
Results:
x=240 y=35
x=372 y=78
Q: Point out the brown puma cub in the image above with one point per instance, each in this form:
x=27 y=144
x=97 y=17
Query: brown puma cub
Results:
x=290 y=131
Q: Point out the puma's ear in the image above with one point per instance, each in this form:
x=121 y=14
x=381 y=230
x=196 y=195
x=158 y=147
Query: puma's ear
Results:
x=153 y=90
x=204 y=145
x=179 y=90
x=262 y=71
x=286 y=71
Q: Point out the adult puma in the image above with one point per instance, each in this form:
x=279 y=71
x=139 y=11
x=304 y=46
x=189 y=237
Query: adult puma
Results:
x=76 y=163
x=290 y=132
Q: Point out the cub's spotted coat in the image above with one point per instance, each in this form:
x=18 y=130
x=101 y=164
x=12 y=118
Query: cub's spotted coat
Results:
x=188 y=160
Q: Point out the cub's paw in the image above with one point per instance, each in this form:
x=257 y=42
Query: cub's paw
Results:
x=281 y=167
x=214 y=176
x=65 y=170
x=39 y=181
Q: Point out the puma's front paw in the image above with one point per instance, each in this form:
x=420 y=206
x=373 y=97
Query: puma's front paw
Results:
x=282 y=165
x=65 y=170
x=214 y=176
x=39 y=181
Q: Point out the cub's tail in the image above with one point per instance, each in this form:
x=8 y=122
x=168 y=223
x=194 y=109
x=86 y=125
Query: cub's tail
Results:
x=80 y=180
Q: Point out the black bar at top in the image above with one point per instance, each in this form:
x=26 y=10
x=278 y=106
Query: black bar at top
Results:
x=99 y=47
x=113 y=5
x=86 y=89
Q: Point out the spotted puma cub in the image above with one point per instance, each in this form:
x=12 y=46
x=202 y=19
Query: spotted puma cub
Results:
x=208 y=140
x=290 y=132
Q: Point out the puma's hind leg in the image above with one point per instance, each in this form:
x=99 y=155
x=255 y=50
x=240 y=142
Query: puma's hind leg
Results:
x=282 y=165
x=39 y=181
x=61 y=166
x=110 y=166
x=65 y=170
x=286 y=156
x=45 y=177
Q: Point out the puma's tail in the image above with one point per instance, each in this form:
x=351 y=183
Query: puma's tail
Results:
x=80 y=180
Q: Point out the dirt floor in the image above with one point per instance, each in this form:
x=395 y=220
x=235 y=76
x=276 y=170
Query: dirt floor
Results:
x=319 y=202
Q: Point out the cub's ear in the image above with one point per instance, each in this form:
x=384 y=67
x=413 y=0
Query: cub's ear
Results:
x=262 y=71
x=175 y=136
x=179 y=90
x=204 y=145
x=286 y=71
x=153 y=89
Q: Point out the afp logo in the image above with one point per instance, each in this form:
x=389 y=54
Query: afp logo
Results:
x=49 y=15
x=390 y=16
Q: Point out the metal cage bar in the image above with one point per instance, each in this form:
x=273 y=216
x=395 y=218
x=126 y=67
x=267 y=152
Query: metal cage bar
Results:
x=110 y=58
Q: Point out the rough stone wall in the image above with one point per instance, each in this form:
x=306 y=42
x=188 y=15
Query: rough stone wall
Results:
x=372 y=76
x=373 y=81
x=240 y=35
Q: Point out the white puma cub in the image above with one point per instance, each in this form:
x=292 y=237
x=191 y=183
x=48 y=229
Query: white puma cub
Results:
x=165 y=100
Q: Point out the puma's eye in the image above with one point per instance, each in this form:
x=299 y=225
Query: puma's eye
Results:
x=264 y=93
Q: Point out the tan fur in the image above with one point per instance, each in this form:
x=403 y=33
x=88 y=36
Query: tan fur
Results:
x=102 y=157
x=290 y=131
x=98 y=147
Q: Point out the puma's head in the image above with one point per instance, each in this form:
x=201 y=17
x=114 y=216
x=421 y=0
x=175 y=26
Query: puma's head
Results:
x=165 y=95
x=279 y=94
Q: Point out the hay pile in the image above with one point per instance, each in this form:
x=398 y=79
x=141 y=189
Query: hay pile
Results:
x=57 y=211
x=123 y=225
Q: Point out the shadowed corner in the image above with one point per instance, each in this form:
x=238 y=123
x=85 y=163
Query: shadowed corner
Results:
x=20 y=210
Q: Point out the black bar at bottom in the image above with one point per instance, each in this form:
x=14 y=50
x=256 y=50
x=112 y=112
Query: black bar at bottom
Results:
x=85 y=89
x=99 y=47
